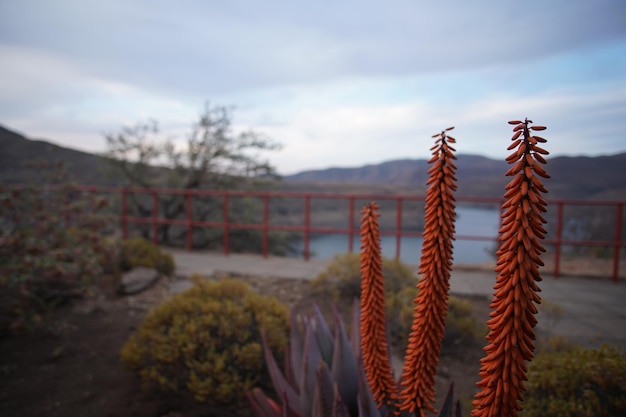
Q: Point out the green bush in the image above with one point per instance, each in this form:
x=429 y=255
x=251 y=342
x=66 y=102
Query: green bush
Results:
x=548 y=344
x=138 y=251
x=51 y=246
x=462 y=328
x=341 y=282
x=577 y=383
x=207 y=340
x=342 y=278
x=399 y=313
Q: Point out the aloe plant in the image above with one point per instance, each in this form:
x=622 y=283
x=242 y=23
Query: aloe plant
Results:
x=374 y=346
x=431 y=303
x=329 y=375
x=323 y=374
x=511 y=326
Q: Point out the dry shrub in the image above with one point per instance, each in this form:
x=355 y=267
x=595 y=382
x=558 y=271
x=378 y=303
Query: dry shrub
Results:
x=207 y=340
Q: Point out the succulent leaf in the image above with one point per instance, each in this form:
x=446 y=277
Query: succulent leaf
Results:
x=339 y=408
x=343 y=367
x=355 y=336
x=295 y=350
x=262 y=405
x=324 y=390
x=311 y=359
x=289 y=408
x=282 y=387
x=324 y=335
x=449 y=408
x=367 y=405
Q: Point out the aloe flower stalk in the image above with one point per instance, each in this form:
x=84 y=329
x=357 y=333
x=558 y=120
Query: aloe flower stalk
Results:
x=511 y=327
x=431 y=304
x=374 y=346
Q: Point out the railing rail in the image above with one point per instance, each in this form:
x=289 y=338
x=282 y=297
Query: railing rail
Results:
x=558 y=241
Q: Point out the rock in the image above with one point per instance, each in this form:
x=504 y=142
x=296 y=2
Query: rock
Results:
x=138 y=280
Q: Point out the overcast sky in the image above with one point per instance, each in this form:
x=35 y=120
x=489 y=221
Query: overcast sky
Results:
x=338 y=83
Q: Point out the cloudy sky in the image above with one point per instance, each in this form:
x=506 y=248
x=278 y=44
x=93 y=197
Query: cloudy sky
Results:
x=340 y=83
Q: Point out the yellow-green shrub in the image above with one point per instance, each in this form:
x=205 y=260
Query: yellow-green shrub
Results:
x=207 y=340
x=577 y=383
x=461 y=325
x=342 y=278
x=138 y=251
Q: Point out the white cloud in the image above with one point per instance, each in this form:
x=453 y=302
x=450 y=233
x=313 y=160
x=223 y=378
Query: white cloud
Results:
x=351 y=136
x=220 y=48
x=342 y=83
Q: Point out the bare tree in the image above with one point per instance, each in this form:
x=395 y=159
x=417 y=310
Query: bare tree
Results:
x=212 y=156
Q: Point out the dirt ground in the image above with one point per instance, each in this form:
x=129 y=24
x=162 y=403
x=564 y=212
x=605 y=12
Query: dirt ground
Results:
x=70 y=366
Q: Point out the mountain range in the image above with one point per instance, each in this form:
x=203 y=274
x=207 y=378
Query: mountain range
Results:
x=582 y=177
x=16 y=151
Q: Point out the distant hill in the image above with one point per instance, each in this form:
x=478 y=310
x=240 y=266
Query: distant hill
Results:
x=572 y=177
x=602 y=177
x=16 y=151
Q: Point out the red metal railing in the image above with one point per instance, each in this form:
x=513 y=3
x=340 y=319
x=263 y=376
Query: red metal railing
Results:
x=558 y=241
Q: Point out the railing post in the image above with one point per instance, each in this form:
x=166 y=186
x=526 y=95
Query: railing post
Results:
x=225 y=218
x=350 y=223
x=398 y=226
x=155 y=217
x=189 y=202
x=557 y=240
x=266 y=219
x=307 y=224
x=618 y=240
x=124 y=218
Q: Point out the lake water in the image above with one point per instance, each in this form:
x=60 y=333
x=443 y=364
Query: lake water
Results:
x=471 y=221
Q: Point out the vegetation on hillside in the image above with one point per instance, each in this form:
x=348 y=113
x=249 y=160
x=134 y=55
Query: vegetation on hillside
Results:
x=600 y=177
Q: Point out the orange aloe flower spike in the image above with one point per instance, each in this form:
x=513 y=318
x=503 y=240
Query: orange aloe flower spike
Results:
x=511 y=327
x=374 y=347
x=431 y=304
